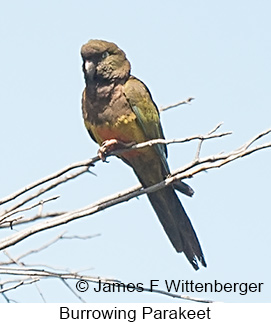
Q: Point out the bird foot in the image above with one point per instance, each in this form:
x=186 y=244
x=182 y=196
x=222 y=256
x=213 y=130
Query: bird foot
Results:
x=108 y=146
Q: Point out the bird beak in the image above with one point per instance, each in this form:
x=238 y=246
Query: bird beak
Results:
x=90 y=69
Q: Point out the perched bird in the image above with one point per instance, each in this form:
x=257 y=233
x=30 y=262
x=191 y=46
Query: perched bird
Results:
x=118 y=110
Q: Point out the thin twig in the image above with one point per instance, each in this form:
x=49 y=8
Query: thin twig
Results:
x=22 y=220
x=186 y=297
x=56 y=268
x=187 y=101
x=50 y=274
x=45 y=189
x=88 y=163
x=171 y=141
x=17 y=260
x=48 y=244
x=3 y=290
x=208 y=134
x=40 y=292
x=82 y=237
x=257 y=137
x=17 y=210
x=74 y=293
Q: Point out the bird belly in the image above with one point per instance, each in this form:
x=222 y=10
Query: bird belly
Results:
x=125 y=129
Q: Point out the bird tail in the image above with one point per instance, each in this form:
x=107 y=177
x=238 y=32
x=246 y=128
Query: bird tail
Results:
x=177 y=224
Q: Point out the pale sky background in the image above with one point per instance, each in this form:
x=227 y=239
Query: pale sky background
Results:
x=219 y=53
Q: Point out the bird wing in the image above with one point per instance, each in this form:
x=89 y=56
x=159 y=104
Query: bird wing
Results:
x=147 y=114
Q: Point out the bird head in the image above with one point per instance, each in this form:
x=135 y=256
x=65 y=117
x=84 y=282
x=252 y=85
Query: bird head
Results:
x=104 y=62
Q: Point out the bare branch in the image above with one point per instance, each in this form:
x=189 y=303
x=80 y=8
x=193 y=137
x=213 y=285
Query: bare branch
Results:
x=48 y=244
x=215 y=128
x=17 y=210
x=49 y=274
x=40 y=273
x=55 y=268
x=187 y=101
x=39 y=291
x=16 y=207
x=22 y=220
x=61 y=180
x=257 y=137
x=174 y=141
x=88 y=163
x=43 y=190
x=209 y=134
x=186 y=297
x=81 y=237
x=16 y=260
x=74 y=293
x=187 y=171
x=22 y=282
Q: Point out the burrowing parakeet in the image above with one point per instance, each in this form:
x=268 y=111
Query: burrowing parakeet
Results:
x=118 y=110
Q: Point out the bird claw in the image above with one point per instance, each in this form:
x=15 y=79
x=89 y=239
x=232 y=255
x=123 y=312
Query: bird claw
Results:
x=108 y=146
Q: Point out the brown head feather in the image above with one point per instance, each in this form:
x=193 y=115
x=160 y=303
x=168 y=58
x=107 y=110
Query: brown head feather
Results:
x=108 y=62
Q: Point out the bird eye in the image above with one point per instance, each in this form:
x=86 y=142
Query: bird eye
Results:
x=105 y=54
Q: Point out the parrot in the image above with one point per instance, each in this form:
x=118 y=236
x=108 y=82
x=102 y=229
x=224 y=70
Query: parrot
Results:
x=118 y=111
